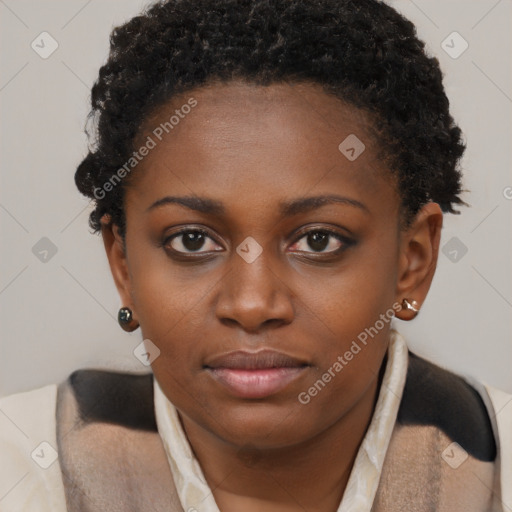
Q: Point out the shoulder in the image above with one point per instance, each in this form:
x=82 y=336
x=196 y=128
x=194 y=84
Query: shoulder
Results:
x=28 y=450
x=113 y=397
x=501 y=403
x=28 y=418
x=447 y=422
x=476 y=416
x=105 y=422
x=437 y=397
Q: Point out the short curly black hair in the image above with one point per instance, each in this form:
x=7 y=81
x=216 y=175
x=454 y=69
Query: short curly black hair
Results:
x=362 y=51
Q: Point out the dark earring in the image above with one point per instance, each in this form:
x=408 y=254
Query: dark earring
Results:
x=126 y=320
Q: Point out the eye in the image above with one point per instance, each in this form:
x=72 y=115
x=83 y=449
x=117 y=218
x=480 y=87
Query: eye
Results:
x=189 y=241
x=322 y=241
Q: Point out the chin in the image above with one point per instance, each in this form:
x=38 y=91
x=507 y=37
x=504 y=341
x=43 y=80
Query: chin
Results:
x=262 y=425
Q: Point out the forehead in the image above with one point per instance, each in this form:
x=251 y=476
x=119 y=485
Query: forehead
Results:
x=243 y=139
x=240 y=112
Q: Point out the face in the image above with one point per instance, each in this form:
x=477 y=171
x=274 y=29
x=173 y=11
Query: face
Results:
x=249 y=230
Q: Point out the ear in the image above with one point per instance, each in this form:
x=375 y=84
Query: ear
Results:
x=116 y=254
x=419 y=249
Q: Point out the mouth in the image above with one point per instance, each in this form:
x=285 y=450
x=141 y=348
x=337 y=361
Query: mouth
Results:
x=255 y=374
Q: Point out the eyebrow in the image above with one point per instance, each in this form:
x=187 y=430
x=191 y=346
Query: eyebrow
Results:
x=286 y=208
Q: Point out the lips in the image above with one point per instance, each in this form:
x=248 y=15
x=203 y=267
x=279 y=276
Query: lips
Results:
x=255 y=374
x=262 y=359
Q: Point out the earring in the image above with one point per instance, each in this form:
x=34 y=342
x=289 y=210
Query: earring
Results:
x=126 y=320
x=411 y=305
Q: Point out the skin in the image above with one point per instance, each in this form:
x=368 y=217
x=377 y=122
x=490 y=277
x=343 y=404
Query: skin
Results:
x=251 y=148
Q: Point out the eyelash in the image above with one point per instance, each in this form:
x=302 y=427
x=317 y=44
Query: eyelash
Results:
x=344 y=240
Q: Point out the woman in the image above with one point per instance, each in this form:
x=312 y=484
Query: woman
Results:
x=269 y=181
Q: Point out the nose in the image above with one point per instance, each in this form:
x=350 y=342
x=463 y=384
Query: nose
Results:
x=253 y=296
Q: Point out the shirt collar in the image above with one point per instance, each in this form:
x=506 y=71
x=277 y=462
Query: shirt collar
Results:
x=194 y=492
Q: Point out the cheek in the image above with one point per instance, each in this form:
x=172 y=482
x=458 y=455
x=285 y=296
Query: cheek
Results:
x=351 y=314
x=351 y=298
x=165 y=295
x=163 y=304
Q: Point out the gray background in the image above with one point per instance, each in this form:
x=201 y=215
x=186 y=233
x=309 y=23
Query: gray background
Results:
x=58 y=315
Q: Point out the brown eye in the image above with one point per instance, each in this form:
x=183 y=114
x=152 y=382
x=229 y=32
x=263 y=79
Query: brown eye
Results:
x=322 y=241
x=318 y=241
x=191 y=241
